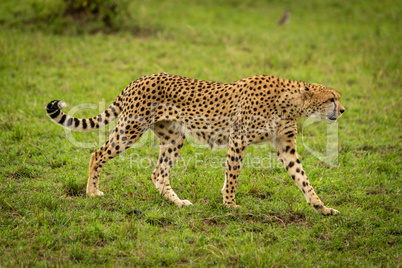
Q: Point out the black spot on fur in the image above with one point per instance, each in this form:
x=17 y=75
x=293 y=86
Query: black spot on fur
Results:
x=317 y=206
x=91 y=121
x=56 y=114
x=291 y=164
x=63 y=118
x=52 y=106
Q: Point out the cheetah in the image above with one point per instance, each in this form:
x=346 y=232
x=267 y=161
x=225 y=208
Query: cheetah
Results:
x=252 y=110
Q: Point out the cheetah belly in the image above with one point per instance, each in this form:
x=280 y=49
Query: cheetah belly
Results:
x=211 y=137
x=217 y=138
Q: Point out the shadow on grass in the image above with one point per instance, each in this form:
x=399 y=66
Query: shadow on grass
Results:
x=293 y=218
x=73 y=188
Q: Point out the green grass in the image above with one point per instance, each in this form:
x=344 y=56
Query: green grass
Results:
x=45 y=218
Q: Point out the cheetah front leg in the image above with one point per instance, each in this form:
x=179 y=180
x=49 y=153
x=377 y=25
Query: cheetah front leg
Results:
x=286 y=152
x=235 y=155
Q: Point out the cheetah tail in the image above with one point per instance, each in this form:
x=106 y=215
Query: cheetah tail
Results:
x=85 y=124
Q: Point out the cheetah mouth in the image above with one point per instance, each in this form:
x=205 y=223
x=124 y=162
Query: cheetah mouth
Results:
x=331 y=118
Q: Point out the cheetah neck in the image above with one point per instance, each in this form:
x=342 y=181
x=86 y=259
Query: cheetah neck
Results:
x=284 y=95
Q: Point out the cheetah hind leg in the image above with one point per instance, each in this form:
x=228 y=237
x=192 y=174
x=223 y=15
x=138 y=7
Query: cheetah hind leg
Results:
x=116 y=144
x=171 y=142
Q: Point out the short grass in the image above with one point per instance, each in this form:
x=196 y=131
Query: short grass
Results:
x=45 y=218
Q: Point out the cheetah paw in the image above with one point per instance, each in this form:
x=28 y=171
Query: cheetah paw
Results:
x=186 y=203
x=330 y=211
x=98 y=193
x=334 y=211
x=232 y=206
x=182 y=203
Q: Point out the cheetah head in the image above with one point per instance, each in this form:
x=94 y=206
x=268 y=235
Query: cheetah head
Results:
x=321 y=103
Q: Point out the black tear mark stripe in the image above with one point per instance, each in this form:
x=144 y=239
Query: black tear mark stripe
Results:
x=335 y=108
x=334 y=111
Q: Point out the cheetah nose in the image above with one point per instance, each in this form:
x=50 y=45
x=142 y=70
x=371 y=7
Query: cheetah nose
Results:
x=342 y=110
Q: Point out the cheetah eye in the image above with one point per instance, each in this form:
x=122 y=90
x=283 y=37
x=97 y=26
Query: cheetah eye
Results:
x=332 y=100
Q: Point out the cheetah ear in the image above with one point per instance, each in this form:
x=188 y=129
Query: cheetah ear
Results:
x=306 y=93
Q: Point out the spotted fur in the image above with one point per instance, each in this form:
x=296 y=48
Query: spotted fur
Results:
x=252 y=110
